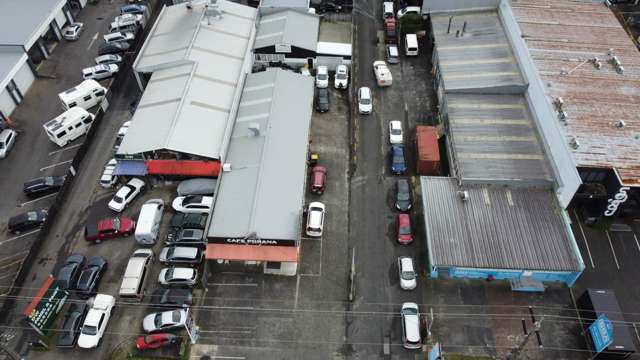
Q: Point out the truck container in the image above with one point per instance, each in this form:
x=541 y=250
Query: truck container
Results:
x=428 y=159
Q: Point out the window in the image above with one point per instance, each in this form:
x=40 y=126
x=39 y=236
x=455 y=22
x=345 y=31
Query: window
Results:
x=87 y=98
x=272 y=265
x=72 y=104
x=88 y=120
x=78 y=125
x=100 y=93
x=61 y=134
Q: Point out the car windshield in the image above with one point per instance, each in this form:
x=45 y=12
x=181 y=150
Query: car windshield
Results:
x=407 y=275
x=396 y=131
x=32 y=216
x=365 y=101
x=169 y=274
x=410 y=311
x=118 y=199
x=341 y=76
x=403 y=195
x=158 y=320
x=89 y=330
x=404 y=230
x=322 y=76
x=176 y=315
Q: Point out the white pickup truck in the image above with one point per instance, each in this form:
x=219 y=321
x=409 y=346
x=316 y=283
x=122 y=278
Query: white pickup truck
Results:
x=383 y=75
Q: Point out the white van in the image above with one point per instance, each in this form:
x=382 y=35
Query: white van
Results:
x=69 y=126
x=134 y=277
x=127 y=23
x=86 y=95
x=411 y=45
x=148 y=224
x=387 y=10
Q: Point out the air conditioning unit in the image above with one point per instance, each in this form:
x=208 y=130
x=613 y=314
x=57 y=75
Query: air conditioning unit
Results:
x=620 y=124
x=562 y=116
x=464 y=195
x=559 y=103
x=575 y=143
x=226 y=167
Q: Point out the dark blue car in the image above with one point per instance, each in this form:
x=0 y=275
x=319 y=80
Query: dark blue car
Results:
x=398 y=164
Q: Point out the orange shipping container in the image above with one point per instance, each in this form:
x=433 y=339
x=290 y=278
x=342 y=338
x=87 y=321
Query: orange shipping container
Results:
x=428 y=151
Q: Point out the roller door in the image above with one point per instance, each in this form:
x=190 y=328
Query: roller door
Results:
x=6 y=103
x=24 y=78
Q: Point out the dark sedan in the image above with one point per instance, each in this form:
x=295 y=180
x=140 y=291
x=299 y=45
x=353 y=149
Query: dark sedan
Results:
x=90 y=276
x=113 y=48
x=68 y=273
x=27 y=221
x=43 y=186
x=172 y=297
x=403 y=195
x=398 y=163
x=71 y=325
x=328 y=7
x=181 y=221
x=322 y=100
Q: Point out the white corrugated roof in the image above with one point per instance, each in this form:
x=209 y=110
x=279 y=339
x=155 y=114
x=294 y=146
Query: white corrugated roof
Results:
x=288 y=27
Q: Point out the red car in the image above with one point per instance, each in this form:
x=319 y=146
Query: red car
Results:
x=405 y=236
x=390 y=32
x=318 y=177
x=156 y=341
x=109 y=228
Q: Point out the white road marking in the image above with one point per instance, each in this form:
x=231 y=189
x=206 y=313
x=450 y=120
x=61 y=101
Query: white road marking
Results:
x=17 y=262
x=584 y=237
x=635 y=329
x=19 y=236
x=226 y=331
x=613 y=251
x=232 y=284
x=54 y=165
x=93 y=39
x=295 y=304
x=67 y=148
x=38 y=199
x=637 y=243
x=219 y=357
x=14 y=255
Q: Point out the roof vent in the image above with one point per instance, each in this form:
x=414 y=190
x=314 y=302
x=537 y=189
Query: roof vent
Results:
x=562 y=116
x=617 y=64
x=620 y=124
x=464 y=195
x=596 y=62
x=226 y=167
x=254 y=129
x=558 y=103
x=575 y=143
x=212 y=9
x=193 y=3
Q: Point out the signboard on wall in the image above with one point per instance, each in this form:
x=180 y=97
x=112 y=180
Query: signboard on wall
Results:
x=617 y=199
x=46 y=305
x=252 y=241
x=283 y=48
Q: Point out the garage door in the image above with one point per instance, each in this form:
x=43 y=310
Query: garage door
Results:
x=6 y=103
x=24 y=78
x=61 y=19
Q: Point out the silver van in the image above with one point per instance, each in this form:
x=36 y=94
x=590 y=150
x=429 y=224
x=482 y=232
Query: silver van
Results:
x=148 y=224
x=134 y=277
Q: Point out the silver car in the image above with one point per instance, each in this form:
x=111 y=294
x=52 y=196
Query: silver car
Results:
x=178 y=276
x=166 y=320
x=72 y=31
x=7 y=140
x=99 y=72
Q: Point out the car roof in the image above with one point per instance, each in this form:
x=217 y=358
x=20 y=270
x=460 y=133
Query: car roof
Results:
x=406 y=262
x=365 y=91
x=182 y=272
x=396 y=124
x=404 y=219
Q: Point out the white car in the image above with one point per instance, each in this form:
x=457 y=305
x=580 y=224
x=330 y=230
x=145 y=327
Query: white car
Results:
x=407 y=273
x=365 y=103
x=341 y=80
x=322 y=77
x=100 y=72
x=108 y=59
x=395 y=132
x=96 y=321
x=315 y=219
x=166 y=320
x=126 y=194
x=410 y=326
x=383 y=75
x=178 y=276
x=72 y=31
x=7 y=140
x=107 y=179
x=118 y=36
x=409 y=10
x=193 y=204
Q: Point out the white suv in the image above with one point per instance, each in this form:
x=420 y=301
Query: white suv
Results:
x=322 y=77
x=365 y=103
x=341 y=80
x=315 y=219
x=410 y=326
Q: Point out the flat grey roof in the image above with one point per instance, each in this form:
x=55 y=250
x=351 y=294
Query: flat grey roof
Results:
x=284 y=3
x=497 y=228
x=264 y=191
x=288 y=27
x=22 y=19
x=494 y=138
x=481 y=58
x=10 y=58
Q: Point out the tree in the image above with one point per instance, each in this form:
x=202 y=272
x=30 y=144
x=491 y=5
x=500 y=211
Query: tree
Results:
x=410 y=23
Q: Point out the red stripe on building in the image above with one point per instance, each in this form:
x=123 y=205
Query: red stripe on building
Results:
x=183 y=167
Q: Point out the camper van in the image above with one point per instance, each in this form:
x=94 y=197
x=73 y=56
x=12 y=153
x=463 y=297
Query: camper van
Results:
x=127 y=23
x=411 y=45
x=86 y=95
x=68 y=126
x=148 y=225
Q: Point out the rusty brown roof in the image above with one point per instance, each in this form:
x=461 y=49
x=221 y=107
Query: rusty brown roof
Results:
x=563 y=37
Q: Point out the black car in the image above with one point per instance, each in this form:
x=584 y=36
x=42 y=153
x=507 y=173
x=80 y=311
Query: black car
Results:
x=43 y=185
x=322 y=100
x=27 y=221
x=113 y=48
x=90 y=276
x=328 y=7
x=172 y=297
x=69 y=272
x=403 y=195
x=181 y=221
x=70 y=330
x=188 y=237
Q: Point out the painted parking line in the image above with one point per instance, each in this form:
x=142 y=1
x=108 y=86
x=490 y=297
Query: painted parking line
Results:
x=231 y=284
x=637 y=242
x=14 y=255
x=612 y=250
x=54 y=165
x=18 y=237
x=584 y=237
x=38 y=199
x=67 y=148
x=93 y=39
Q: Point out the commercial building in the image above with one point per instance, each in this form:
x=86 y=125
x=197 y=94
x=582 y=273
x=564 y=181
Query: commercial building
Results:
x=257 y=215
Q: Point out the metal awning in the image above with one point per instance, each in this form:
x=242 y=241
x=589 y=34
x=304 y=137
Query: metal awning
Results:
x=131 y=168
x=210 y=168
x=252 y=253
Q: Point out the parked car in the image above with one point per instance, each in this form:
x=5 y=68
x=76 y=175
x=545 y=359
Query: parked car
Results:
x=327 y=6
x=197 y=186
x=108 y=59
x=322 y=77
x=178 y=276
x=382 y=73
x=409 y=10
x=341 y=80
x=410 y=326
x=166 y=320
x=172 y=297
x=96 y=321
x=395 y=132
x=318 y=179
x=398 y=164
x=188 y=237
x=71 y=324
x=90 y=276
x=126 y=194
x=387 y=10
x=179 y=255
x=322 y=100
x=72 y=31
x=118 y=36
x=407 y=273
x=365 y=103
x=27 y=221
x=133 y=9
x=68 y=273
x=99 y=72
x=403 y=225
x=7 y=140
x=193 y=204
x=181 y=221
x=403 y=195
x=156 y=341
x=107 y=179
x=109 y=228
x=390 y=31
x=315 y=219
x=43 y=185
x=113 y=48
x=392 y=54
